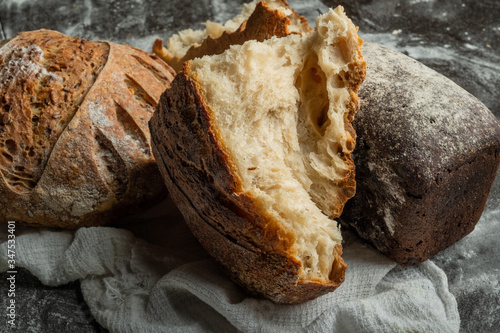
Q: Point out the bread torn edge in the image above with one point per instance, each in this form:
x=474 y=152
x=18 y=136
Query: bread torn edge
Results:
x=258 y=20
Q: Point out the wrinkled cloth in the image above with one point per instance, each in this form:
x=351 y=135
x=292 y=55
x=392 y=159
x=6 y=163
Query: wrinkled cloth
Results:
x=169 y=284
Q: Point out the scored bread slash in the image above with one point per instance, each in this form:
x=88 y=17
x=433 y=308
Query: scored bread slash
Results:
x=255 y=146
x=257 y=21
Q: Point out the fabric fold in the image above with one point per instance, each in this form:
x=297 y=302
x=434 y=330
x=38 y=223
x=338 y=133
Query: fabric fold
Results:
x=131 y=285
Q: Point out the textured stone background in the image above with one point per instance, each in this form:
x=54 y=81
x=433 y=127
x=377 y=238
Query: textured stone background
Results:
x=460 y=39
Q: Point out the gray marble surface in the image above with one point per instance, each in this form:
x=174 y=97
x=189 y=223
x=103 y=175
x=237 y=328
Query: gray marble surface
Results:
x=460 y=39
x=48 y=309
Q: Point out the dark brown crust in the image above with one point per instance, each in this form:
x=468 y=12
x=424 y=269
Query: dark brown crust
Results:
x=434 y=190
x=238 y=233
x=263 y=24
x=84 y=158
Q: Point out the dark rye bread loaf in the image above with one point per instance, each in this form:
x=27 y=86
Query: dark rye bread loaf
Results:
x=426 y=157
x=74 y=141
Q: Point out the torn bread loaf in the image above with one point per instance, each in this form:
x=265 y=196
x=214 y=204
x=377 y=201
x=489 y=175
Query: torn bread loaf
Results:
x=254 y=145
x=258 y=20
x=74 y=140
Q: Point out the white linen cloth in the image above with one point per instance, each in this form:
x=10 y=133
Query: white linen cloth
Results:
x=169 y=284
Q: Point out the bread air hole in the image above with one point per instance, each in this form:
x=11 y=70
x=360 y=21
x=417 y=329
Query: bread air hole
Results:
x=311 y=84
x=11 y=146
x=282 y=122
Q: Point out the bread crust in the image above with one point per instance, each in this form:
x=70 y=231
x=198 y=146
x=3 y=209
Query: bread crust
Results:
x=75 y=150
x=238 y=233
x=262 y=24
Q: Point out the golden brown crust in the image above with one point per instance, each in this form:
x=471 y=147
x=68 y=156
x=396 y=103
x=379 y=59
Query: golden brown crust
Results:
x=238 y=233
x=263 y=24
x=75 y=147
x=348 y=184
x=354 y=78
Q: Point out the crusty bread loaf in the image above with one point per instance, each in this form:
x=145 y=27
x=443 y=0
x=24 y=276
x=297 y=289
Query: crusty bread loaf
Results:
x=427 y=155
x=254 y=145
x=74 y=141
x=258 y=21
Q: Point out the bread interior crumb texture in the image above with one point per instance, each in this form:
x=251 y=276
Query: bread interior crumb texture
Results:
x=279 y=107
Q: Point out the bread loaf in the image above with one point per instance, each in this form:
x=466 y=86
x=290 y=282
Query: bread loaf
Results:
x=427 y=155
x=258 y=21
x=74 y=142
x=254 y=145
